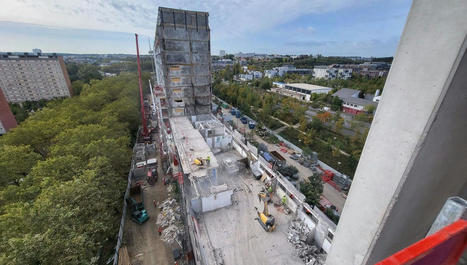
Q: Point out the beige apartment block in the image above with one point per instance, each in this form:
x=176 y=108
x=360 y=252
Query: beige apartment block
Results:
x=30 y=77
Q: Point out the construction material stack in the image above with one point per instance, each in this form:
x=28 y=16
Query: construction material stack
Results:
x=183 y=60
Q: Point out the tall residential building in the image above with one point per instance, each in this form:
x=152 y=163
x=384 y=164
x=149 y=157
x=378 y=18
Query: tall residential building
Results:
x=7 y=120
x=182 y=54
x=222 y=53
x=27 y=77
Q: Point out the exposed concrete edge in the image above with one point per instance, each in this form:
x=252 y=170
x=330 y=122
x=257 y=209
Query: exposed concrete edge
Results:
x=433 y=116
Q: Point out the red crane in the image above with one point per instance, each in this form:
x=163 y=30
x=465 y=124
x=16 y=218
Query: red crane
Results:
x=143 y=116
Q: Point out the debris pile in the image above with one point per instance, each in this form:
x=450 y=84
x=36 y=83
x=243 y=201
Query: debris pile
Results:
x=170 y=220
x=301 y=238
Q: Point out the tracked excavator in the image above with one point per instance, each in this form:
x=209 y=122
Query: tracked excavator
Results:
x=266 y=220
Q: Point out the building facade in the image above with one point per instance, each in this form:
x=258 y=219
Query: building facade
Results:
x=287 y=69
x=182 y=54
x=332 y=72
x=29 y=77
x=301 y=91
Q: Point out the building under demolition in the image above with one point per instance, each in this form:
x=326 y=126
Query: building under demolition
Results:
x=182 y=55
x=219 y=194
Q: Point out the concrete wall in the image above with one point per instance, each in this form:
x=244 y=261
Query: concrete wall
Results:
x=415 y=156
x=216 y=201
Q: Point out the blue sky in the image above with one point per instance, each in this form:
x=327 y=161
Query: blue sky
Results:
x=327 y=27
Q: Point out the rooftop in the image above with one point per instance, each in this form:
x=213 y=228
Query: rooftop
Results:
x=191 y=145
x=308 y=86
x=351 y=96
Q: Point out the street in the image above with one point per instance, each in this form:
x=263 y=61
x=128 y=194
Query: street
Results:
x=334 y=196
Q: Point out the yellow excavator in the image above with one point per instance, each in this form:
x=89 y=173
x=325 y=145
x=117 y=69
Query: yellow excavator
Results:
x=267 y=221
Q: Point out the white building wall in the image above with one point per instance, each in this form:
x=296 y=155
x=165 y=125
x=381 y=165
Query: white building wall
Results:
x=319 y=73
x=216 y=201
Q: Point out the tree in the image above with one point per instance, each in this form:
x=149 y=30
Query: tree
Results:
x=265 y=84
x=308 y=137
x=15 y=163
x=339 y=125
x=86 y=72
x=312 y=189
x=62 y=175
x=324 y=117
x=316 y=124
x=288 y=171
x=77 y=86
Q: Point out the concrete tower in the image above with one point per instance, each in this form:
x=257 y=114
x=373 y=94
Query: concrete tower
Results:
x=182 y=53
x=415 y=156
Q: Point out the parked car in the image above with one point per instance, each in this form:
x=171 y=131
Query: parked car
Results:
x=295 y=156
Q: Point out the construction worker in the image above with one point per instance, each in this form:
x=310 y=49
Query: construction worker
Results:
x=208 y=161
x=284 y=200
x=270 y=189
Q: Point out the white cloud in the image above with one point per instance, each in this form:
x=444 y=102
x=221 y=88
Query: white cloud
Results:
x=228 y=19
x=310 y=28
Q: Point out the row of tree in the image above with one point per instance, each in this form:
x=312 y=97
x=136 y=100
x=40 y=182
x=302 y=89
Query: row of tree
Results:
x=63 y=173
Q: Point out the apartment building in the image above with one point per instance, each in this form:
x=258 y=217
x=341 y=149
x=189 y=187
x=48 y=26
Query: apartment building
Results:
x=32 y=77
x=287 y=69
x=332 y=72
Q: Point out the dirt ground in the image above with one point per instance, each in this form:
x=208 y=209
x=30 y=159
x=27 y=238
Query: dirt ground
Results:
x=143 y=241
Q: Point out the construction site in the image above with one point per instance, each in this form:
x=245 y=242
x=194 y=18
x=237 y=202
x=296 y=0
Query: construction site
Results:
x=198 y=191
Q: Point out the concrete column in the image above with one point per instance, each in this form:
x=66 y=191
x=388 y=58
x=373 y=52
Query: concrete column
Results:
x=415 y=156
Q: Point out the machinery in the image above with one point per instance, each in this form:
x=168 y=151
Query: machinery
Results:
x=136 y=205
x=267 y=221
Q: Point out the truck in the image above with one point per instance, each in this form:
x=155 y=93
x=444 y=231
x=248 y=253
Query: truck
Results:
x=280 y=160
x=251 y=125
x=135 y=203
x=273 y=161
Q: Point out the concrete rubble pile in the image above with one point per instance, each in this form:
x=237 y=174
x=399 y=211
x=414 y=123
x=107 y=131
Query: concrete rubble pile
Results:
x=301 y=238
x=170 y=220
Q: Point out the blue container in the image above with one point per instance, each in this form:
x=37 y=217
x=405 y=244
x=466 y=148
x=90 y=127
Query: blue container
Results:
x=244 y=120
x=233 y=111
x=238 y=114
x=251 y=125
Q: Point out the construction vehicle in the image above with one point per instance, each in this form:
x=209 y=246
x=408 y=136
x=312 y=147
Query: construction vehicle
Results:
x=266 y=220
x=136 y=205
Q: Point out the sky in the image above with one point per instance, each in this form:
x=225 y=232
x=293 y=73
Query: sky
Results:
x=328 y=27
